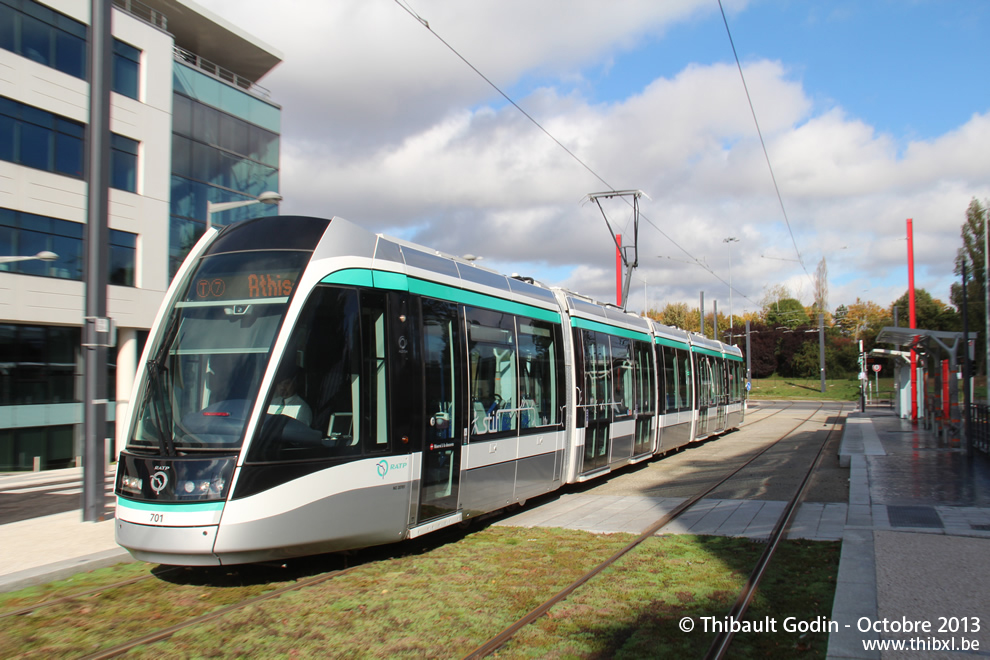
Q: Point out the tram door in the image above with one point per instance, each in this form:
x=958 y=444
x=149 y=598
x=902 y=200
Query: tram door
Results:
x=444 y=417
x=704 y=395
x=598 y=400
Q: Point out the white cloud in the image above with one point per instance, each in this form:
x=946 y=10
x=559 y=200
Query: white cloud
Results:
x=383 y=125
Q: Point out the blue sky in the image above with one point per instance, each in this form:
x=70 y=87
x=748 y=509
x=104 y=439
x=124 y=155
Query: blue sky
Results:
x=873 y=112
x=910 y=69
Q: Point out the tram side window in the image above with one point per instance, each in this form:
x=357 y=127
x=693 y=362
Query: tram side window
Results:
x=723 y=379
x=644 y=378
x=440 y=346
x=329 y=395
x=492 y=372
x=596 y=374
x=540 y=396
x=672 y=401
x=622 y=376
x=687 y=398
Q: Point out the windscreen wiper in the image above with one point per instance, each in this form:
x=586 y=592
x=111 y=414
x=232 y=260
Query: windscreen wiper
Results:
x=159 y=398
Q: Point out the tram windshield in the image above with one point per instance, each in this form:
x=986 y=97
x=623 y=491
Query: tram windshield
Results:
x=204 y=374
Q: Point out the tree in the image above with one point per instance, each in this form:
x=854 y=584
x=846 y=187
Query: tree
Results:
x=820 y=305
x=972 y=252
x=786 y=312
x=930 y=313
x=864 y=320
x=674 y=314
x=763 y=350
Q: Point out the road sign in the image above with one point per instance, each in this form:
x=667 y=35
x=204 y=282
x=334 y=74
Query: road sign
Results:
x=877 y=368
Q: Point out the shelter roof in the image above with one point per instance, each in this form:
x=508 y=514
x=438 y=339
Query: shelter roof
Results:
x=925 y=341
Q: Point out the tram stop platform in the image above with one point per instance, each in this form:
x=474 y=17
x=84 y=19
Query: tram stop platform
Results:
x=915 y=535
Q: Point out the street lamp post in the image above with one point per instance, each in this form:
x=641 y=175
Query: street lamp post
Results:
x=44 y=255
x=267 y=197
x=729 y=241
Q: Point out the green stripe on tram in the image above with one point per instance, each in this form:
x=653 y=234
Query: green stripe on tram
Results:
x=175 y=507
x=587 y=324
x=663 y=341
x=705 y=351
x=400 y=282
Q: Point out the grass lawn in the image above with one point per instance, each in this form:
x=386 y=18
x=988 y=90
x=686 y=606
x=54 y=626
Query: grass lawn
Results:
x=443 y=599
x=800 y=388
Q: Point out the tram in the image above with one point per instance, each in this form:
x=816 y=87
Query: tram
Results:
x=309 y=386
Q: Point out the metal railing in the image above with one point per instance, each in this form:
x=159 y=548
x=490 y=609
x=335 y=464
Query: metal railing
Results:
x=144 y=12
x=218 y=72
x=979 y=426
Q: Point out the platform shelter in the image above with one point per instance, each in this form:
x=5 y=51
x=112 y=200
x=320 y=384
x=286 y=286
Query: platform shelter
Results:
x=939 y=376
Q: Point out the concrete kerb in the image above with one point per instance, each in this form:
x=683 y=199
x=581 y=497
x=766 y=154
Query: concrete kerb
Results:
x=856 y=583
x=61 y=570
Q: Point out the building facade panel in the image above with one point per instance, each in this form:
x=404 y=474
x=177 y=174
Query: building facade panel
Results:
x=44 y=101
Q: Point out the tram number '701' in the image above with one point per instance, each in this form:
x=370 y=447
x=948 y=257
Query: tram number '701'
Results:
x=157 y=518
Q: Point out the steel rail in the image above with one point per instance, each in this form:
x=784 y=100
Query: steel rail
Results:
x=720 y=644
x=500 y=639
x=209 y=616
x=62 y=599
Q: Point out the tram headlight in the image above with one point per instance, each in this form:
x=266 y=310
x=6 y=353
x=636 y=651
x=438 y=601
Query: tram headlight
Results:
x=131 y=484
x=199 y=488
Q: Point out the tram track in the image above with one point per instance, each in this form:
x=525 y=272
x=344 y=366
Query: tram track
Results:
x=302 y=584
x=165 y=633
x=723 y=639
x=30 y=609
x=499 y=640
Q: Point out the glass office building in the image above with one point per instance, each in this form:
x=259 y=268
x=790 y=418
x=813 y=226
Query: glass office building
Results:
x=225 y=148
x=189 y=124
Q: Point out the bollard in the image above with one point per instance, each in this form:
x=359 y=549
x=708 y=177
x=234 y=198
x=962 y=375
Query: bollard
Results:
x=36 y=467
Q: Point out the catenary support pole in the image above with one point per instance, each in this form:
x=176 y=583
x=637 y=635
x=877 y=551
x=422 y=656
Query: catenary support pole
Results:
x=96 y=329
x=821 y=348
x=986 y=288
x=912 y=321
x=967 y=370
x=702 y=313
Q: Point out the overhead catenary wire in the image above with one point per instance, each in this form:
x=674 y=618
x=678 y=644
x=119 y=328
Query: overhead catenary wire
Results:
x=404 y=4
x=766 y=154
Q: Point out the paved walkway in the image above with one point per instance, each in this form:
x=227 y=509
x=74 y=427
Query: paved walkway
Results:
x=753 y=519
x=39 y=550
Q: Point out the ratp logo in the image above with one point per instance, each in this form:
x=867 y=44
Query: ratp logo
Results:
x=382 y=467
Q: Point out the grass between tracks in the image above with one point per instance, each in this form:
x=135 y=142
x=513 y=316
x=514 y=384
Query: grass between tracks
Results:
x=445 y=599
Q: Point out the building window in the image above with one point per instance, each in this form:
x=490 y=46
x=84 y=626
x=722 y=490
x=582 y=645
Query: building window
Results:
x=53 y=445
x=25 y=234
x=44 y=36
x=39 y=139
x=216 y=157
x=123 y=163
x=123 y=252
x=38 y=364
x=126 y=65
x=47 y=37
